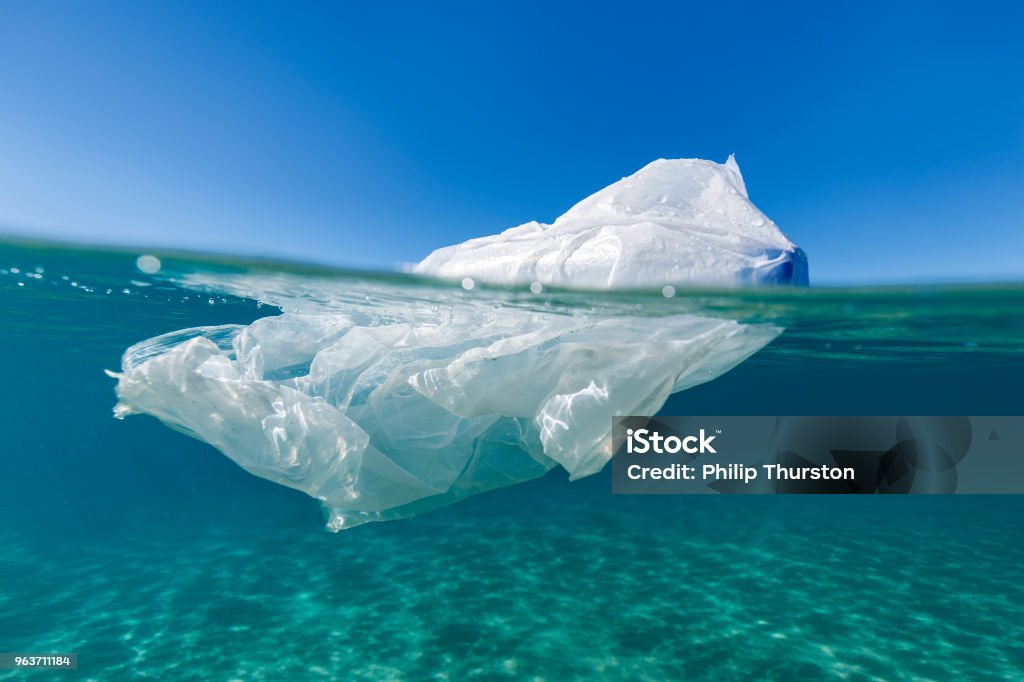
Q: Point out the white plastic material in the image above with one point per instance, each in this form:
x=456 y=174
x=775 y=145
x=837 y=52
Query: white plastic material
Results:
x=675 y=221
x=383 y=399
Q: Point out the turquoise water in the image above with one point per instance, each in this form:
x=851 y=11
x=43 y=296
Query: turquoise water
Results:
x=151 y=555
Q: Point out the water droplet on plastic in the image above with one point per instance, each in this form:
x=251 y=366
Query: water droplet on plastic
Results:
x=148 y=264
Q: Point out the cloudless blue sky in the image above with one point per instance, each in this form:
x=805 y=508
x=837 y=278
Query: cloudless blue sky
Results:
x=886 y=139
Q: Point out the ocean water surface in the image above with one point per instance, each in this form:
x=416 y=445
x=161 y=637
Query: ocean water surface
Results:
x=153 y=556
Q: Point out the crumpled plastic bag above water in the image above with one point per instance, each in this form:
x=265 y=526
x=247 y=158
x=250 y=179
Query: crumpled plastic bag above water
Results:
x=674 y=221
x=385 y=398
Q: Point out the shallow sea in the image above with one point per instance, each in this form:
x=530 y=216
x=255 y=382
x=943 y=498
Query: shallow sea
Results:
x=152 y=556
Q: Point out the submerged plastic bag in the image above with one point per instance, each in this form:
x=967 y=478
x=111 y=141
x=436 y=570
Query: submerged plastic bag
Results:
x=385 y=398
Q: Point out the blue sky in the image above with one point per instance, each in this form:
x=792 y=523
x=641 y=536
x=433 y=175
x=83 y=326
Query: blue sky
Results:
x=886 y=139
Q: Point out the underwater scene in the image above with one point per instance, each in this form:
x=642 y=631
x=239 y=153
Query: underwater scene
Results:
x=189 y=539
